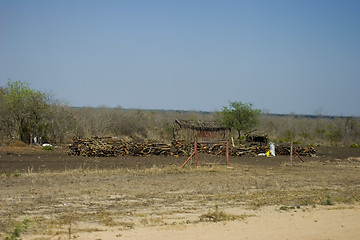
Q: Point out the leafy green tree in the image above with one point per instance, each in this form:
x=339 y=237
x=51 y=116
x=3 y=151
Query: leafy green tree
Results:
x=25 y=110
x=240 y=116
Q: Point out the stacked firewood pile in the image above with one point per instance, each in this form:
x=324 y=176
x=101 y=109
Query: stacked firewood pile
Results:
x=220 y=149
x=112 y=147
x=301 y=151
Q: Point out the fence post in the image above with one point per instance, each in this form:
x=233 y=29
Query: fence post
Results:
x=291 y=150
x=227 y=153
x=195 y=150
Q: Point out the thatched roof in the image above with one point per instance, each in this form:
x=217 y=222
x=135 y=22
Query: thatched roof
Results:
x=201 y=125
x=258 y=134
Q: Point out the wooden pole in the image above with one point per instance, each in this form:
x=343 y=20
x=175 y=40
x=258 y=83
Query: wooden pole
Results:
x=291 y=150
x=195 y=150
x=298 y=155
x=227 y=153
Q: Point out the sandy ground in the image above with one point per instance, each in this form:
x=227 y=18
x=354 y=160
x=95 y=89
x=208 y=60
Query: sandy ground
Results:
x=336 y=222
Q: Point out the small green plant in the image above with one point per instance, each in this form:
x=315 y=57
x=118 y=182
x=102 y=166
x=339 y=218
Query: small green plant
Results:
x=285 y=208
x=6 y=174
x=354 y=145
x=329 y=201
x=9 y=174
x=48 y=148
x=18 y=229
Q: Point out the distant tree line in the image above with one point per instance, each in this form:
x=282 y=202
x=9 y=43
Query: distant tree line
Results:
x=26 y=114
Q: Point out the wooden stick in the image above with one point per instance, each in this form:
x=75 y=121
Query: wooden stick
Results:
x=291 y=150
x=298 y=155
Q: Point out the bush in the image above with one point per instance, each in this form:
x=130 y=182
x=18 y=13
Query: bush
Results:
x=354 y=145
x=48 y=148
x=329 y=201
x=18 y=230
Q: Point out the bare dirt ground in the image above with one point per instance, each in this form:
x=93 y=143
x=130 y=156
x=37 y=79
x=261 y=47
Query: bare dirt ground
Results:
x=65 y=197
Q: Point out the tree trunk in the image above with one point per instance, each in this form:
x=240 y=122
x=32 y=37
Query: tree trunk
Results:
x=239 y=133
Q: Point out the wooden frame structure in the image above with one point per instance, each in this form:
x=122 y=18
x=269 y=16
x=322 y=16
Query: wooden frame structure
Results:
x=195 y=153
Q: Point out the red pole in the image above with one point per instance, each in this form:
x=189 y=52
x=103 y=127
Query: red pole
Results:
x=187 y=160
x=195 y=150
x=227 y=153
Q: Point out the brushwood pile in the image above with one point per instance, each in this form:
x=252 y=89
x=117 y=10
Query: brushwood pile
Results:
x=112 y=147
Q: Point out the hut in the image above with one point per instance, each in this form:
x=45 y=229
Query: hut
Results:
x=257 y=138
x=200 y=130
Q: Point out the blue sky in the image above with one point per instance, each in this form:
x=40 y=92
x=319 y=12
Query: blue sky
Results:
x=283 y=56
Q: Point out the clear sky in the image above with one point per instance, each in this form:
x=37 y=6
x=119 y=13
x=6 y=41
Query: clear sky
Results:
x=289 y=56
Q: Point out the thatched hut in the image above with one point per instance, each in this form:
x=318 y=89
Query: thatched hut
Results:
x=200 y=130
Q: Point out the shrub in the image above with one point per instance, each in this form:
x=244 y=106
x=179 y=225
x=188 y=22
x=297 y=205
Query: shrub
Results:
x=354 y=145
x=18 y=229
x=48 y=148
x=329 y=201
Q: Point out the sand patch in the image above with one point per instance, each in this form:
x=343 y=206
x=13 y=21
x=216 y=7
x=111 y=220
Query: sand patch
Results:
x=335 y=222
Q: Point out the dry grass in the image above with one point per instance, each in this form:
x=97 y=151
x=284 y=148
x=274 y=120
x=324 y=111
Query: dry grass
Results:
x=78 y=200
x=218 y=216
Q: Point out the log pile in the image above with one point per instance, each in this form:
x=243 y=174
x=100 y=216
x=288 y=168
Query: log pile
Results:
x=302 y=151
x=220 y=149
x=112 y=147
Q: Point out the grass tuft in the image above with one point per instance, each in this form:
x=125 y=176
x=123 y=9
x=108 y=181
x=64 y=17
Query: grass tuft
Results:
x=329 y=201
x=218 y=216
x=18 y=230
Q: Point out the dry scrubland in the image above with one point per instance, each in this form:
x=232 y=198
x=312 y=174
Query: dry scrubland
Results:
x=78 y=202
x=157 y=125
x=66 y=123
